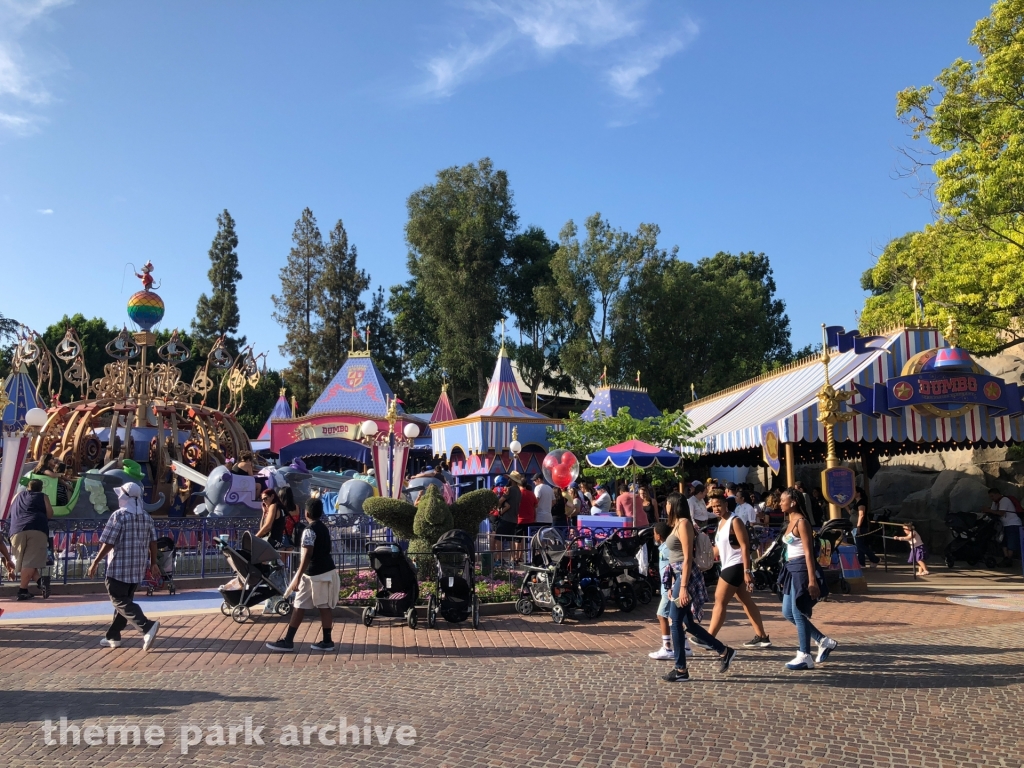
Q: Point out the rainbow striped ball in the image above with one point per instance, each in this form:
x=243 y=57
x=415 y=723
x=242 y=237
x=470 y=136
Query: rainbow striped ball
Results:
x=145 y=309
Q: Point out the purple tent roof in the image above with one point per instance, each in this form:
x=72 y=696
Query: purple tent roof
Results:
x=503 y=398
x=608 y=400
x=443 y=411
x=281 y=410
x=358 y=388
x=22 y=395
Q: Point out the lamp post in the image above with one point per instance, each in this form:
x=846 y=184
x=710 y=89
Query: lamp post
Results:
x=390 y=451
x=515 y=447
x=830 y=401
x=16 y=443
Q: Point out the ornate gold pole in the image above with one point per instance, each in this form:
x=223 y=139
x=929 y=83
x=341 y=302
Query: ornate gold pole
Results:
x=829 y=414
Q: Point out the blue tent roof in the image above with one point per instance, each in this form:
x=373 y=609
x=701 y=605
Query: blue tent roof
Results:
x=281 y=410
x=22 y=395
x=503 y=398
x=608 y=400
x=358 y=388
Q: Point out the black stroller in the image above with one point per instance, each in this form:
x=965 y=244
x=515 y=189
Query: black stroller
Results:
x=828 y=538
x=398 y=589
x=552 y=582
x=455 y=591
x=259 y=577
x=767 y=566
x=975 y=540
x=614 y=563
x=164 y=575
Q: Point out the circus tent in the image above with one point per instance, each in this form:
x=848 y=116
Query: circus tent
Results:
x=609 y=399
x=281 y=410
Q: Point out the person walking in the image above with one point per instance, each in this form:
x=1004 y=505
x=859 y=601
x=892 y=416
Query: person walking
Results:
x=128 y=542
x=1003 y=508
x=30 y=516
x=861 y=531
x=688 y=598
x=316 y=583
x=662 y=531
x=732 y=545
x=802 y=583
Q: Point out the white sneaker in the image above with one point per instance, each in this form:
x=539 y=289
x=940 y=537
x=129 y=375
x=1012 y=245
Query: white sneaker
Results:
x=687 y=649
x=150 y=636
x=801 y=661
x=825 y=647
x=110 y=643
x=662 y=654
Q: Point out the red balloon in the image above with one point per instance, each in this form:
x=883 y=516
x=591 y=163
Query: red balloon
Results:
x=560 y=468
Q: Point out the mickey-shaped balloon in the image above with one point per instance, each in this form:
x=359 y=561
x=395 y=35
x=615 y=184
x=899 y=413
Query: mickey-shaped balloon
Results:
x=560 y=468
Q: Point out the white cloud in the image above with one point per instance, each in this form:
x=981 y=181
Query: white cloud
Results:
x=519 y=30
x=45 y=211
x=20 y=74
x=625 y=78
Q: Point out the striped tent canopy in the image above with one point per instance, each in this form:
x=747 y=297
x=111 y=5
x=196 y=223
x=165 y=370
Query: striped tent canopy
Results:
x=609 y=399
x=733 y=419
x=443 y=411
x=19 y=398
x=281 y=410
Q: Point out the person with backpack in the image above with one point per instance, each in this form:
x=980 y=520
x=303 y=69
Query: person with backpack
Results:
x=737 y=577
x=802 y=583
x=1007 y=508
x=688 y=596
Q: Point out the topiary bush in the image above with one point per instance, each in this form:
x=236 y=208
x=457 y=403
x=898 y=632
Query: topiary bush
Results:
x=472 y=508
x=396 y=514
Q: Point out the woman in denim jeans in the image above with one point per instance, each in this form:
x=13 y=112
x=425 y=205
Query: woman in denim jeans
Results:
x=687 y=606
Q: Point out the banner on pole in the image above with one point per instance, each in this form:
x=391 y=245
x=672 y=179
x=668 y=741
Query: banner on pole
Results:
x=770 y=446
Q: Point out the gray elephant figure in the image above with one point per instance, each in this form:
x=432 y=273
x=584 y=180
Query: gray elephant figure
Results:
x=94 y=495
x=230 y=495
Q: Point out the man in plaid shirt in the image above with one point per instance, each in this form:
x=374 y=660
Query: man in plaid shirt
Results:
x=128 y=542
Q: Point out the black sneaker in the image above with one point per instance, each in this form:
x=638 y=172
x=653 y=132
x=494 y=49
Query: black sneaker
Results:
x=758 y=642
x=322 y=646
x=675 y=676
x=701 y=644
x=281 y=646
x=727 y=657
x=24 y=594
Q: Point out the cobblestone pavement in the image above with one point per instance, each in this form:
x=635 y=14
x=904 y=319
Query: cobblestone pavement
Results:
x=916 y=681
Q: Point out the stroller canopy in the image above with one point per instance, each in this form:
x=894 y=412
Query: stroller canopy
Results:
x=455 y=541
x=259 y=550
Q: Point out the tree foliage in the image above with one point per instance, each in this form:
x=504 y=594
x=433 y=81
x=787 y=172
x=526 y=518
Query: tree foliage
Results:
x=459 y=231
x=217 y=314
x=969 y=264
x=295 y=306
x=383 y=340
x=259 y=402
x=8 y=337
x=671 y=431
x=337 y=306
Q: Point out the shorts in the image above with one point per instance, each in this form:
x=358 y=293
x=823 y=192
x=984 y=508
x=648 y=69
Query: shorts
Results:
x=733 y=575
x=1011 y=539
x=28 y=549
x=665 y=605
x=320 y=591
x=523 y=529
x=501 y=527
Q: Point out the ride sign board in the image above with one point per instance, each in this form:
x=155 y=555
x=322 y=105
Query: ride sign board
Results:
x=770 y=444
x=940 y=394
x=838 y=485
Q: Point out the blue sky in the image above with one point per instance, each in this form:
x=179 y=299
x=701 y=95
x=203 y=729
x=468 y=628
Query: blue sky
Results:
x=126 y=127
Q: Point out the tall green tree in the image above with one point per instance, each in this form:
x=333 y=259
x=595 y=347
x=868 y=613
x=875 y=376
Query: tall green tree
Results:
x=383 y=340
x=295 y=306
x=589 y=279
x=968 y=130
x=459 y=231
x=217 y=314
x=259 y=402
x=8 y=338
x=337 y=306
x=419 y=348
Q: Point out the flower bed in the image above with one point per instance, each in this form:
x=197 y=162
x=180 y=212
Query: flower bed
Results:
x=359 y=587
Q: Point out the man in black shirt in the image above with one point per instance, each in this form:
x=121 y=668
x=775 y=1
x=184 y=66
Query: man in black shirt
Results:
x=30 y=516
x=316 y=583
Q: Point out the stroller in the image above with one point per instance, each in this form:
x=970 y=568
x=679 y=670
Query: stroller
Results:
x=165 y=549
x=614 y=563
x=399 y=591
x=767 y=566
x=259 y=577
x=551 y=583
x=455 y=592
x=975 y=540
x=828 y=539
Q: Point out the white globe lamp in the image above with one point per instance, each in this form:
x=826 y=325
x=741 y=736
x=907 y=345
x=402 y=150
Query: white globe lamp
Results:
x=411 y=431
x=36 y=417
x=369 y=428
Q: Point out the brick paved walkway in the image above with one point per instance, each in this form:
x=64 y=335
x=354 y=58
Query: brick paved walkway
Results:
x=917 y=681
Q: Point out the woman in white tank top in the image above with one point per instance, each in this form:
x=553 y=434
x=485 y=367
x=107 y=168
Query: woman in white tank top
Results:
x=732 y=545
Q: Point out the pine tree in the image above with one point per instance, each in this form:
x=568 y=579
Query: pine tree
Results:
x=384 y=344
x=217 y=314
x=295 y=307
x=337 y=306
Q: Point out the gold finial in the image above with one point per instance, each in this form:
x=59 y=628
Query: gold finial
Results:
x=444 y=381
x=952 y=333
x=515 y=432
x=693 y=393
x=352 y=342
x=825 y=356
x=280 y=392
x=502 y=351
x=638 y=379
x=392 y=412
x=367 y=339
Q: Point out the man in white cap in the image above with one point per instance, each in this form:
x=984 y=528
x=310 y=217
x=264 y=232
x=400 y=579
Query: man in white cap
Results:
x=128 y=542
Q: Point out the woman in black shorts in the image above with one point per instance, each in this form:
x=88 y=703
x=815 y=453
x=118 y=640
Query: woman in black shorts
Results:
x=737 y=579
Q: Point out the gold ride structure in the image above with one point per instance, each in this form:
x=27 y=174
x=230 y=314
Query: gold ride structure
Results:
x=140 y=409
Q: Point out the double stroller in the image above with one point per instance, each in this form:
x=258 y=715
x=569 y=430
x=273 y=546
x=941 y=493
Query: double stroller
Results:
x=552 y=583
x=259 y=577
x=398 y=591
x=975 y=540
x=827 y=542
x=455 y=589
x=613 y=562
x=164 y=575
